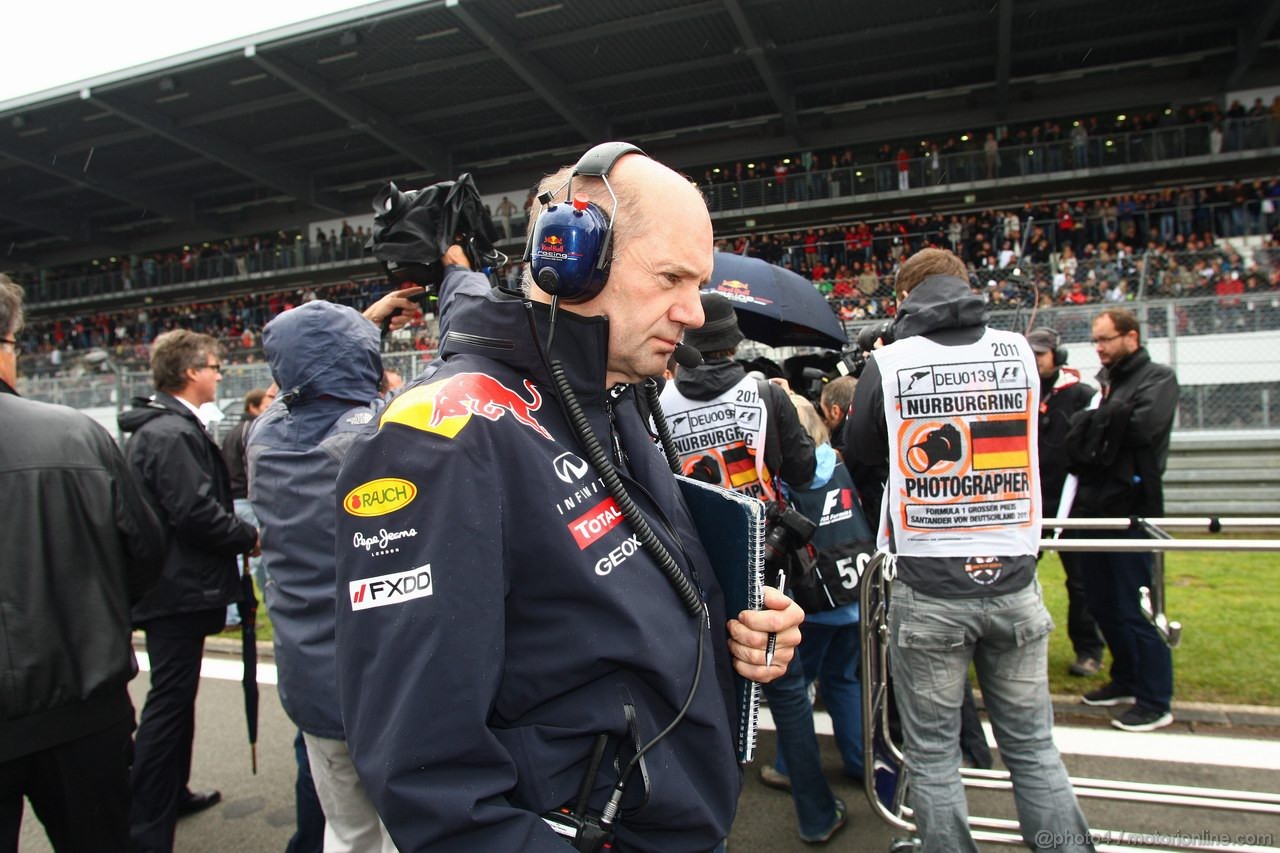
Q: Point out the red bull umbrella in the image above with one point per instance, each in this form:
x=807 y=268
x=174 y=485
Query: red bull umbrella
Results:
x=776 y=306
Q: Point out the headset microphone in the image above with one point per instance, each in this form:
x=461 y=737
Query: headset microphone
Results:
x=687 y=356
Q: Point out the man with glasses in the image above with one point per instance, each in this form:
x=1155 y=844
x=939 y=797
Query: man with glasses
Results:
x=1135 y=418
x=186 y=479
x=80 y=544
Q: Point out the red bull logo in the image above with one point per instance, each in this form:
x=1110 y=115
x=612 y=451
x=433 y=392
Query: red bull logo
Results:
x=732 y=284
x=553 y=248
x=445 y=407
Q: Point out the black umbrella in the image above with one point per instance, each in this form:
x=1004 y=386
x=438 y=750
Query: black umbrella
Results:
x=248 y=607
x=775 y=306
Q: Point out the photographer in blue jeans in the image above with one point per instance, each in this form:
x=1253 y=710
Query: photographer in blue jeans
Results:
x=830 y=647
x=952 y=406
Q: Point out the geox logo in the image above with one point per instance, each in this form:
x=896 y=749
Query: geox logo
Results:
x=390 y=589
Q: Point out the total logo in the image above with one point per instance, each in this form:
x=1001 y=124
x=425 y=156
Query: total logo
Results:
x=595 y=523
x=390 y=589
x=379 y=497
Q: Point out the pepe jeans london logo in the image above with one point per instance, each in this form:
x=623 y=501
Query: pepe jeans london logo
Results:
x=379 y=544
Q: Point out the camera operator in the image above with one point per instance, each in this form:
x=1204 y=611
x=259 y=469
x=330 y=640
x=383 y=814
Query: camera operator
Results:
x=731 y=429
x=950 y=407
x=518 y=643
x=1062 y=394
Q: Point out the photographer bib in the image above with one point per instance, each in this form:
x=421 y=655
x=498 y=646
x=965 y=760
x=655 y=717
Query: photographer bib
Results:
x=963 y=466
x=721 y=440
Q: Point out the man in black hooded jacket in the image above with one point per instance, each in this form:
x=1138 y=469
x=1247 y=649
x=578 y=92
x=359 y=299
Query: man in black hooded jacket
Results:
x=716 y=412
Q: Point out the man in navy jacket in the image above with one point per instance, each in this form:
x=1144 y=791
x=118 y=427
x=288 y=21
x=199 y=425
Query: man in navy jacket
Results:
x=508 y=618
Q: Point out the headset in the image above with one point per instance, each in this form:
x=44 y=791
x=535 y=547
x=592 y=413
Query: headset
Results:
x=1059 y=351
x=570 y=246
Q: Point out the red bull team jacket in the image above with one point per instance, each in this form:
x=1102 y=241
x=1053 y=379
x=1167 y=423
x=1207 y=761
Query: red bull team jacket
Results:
x=495 y=612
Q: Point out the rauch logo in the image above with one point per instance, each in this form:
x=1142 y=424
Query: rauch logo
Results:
x=379 y=497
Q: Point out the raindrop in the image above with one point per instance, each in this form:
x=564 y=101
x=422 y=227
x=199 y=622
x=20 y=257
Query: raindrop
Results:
x=1086 y=54
x=89 y=159
x=11 y=246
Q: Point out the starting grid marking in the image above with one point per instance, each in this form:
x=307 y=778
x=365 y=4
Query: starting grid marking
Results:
x=1112 y=743
x=1071 y=740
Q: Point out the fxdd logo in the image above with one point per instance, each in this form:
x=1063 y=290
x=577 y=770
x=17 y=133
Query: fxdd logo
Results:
x=569 y=468
x=390 y=589
x=379 y=497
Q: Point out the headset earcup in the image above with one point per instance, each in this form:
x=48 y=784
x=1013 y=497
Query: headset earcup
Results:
x=565 y=249
x=1059 y=356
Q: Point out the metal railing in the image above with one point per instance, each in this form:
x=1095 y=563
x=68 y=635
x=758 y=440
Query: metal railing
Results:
x=887 y=784
x=1014 y=159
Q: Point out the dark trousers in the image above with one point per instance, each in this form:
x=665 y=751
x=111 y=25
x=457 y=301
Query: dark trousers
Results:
x=79 y=791
x=1141 y=662
x=309 y=835
x=162 y=755
x=1082 y=628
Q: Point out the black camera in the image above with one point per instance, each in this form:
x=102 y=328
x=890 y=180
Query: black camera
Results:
x=412 y=230
x=854 y=361
x=788 y=532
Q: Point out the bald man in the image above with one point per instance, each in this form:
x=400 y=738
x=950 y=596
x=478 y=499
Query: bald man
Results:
x=507 y=633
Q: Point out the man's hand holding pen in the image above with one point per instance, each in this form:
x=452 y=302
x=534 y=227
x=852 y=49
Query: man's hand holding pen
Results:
x=749 y=637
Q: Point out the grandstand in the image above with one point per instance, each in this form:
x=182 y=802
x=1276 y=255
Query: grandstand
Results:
x=1072 y=151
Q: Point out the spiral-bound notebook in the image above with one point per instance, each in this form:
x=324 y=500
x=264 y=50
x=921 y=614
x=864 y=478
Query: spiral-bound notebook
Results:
x=732 y=529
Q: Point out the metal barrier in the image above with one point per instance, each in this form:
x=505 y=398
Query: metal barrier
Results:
x=887 y=782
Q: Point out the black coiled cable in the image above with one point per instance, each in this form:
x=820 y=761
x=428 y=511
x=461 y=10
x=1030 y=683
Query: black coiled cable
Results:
x=660 y=423
x=613 y=484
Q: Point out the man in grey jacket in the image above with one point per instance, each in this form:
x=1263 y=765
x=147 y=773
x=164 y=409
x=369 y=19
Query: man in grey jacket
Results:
x=325 y=358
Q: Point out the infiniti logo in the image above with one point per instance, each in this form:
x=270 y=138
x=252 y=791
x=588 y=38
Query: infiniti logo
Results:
x=569 y=468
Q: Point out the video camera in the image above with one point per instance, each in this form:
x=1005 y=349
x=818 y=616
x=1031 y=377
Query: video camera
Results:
x=412 y=230
x=854 y=361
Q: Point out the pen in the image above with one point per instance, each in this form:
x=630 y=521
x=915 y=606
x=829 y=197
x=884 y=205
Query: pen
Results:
x=773 y=635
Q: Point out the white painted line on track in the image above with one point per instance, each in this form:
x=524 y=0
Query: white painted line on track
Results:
x=1145 y=746
x=223 y=669
x=1071 y=740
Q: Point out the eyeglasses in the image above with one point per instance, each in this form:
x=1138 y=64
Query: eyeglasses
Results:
x=1105 y=340
x=215 y=367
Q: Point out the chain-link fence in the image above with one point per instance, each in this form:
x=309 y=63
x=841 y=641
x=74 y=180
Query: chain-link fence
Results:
x=1221 y=337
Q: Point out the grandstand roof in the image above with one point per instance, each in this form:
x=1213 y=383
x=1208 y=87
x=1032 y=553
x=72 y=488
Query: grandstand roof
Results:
x=305 y=123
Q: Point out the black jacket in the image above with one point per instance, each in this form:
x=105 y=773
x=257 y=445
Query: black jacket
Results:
x=233 y=453
x=80 y=545
x=1061 y=396
x=1132 y=485
x=788 y=449
x=510 y=616
x=182 y=473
